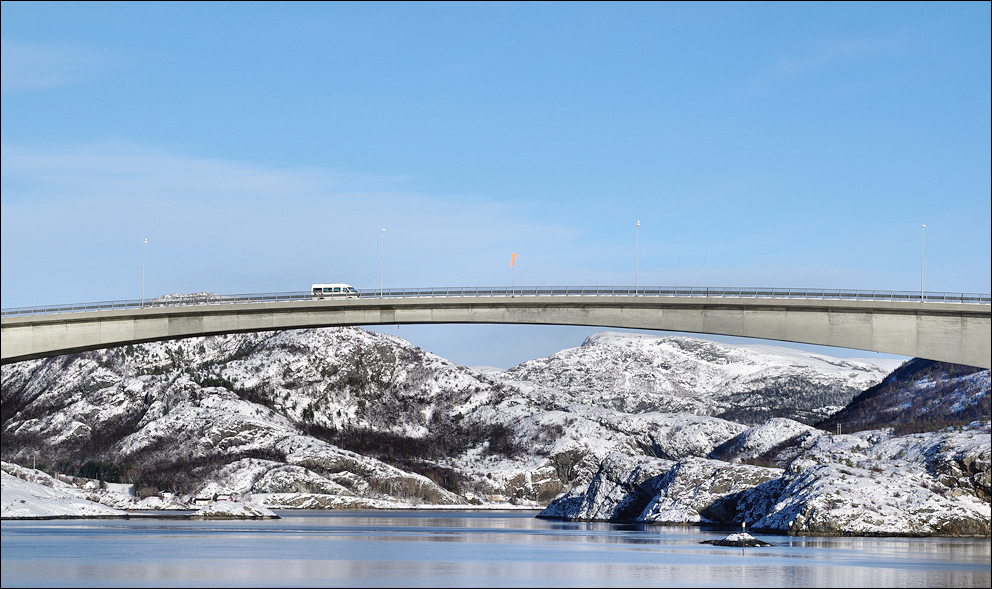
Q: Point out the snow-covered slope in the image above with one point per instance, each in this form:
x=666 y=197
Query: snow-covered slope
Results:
x=748 y=384
x=43 y=497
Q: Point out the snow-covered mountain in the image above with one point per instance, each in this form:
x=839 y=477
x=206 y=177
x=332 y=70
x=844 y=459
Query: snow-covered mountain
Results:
x=342 y=417
x=174 y=414
x=746 y=384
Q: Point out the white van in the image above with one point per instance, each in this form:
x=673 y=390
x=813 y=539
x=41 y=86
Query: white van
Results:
x=334 y=291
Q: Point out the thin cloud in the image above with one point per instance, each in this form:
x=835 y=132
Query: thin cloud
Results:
x=838 y=51
x=114 y=170
x=29 y=66
x=236 y=226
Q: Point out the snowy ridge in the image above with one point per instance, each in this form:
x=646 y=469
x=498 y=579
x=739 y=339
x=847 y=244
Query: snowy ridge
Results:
x=869 y=483
x=637 y=373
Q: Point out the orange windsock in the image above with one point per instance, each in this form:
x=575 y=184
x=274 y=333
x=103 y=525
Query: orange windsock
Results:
x=513 y=259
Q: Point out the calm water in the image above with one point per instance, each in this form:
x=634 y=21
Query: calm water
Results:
x=431 y=548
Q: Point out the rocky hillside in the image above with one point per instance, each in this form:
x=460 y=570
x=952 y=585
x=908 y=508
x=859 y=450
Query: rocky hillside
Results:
x=343 y=417
x=869 y=483
x=921 y=395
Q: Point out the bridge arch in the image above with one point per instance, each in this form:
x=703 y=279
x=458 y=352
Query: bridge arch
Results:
x=958 y=332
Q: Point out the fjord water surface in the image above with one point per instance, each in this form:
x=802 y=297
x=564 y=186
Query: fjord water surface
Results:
x=461 y=548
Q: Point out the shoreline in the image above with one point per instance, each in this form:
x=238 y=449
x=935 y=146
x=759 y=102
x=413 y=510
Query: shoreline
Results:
x=190 y=515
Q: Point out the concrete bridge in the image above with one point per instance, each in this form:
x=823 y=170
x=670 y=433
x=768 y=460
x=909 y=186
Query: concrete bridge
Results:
x=938 y=326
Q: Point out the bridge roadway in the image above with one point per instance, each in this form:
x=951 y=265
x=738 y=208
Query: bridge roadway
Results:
x=956 y=332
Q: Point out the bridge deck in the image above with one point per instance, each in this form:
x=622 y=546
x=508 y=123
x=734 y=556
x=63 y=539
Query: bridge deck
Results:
x=650 y=291
x=952 y=330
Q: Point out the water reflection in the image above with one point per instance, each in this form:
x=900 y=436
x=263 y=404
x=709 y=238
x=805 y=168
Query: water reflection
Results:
x=461 y=548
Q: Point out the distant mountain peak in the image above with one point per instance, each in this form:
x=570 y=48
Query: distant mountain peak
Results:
x=635 y=372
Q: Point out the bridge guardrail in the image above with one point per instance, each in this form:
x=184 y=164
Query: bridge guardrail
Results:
x=393 y=293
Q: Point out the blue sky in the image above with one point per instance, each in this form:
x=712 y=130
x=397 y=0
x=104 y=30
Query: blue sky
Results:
x=262 y=147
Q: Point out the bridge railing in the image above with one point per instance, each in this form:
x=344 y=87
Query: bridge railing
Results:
x=525 y=291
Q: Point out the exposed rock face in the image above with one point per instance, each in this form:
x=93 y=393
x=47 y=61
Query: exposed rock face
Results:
x=249 y=476
x=869 y=483
x=619 y=491
x=576 y=438
x=321 y=501
x=693 y=490
x=697 y=490
x=757 y=441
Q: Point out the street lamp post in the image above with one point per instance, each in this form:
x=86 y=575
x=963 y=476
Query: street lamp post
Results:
x=923 y=231
x=637 y=242
x=143 y=244
x=382 y=242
